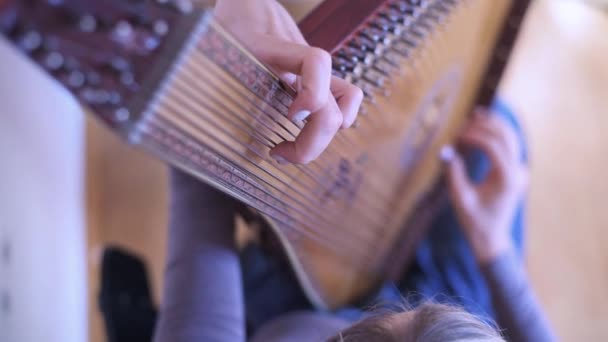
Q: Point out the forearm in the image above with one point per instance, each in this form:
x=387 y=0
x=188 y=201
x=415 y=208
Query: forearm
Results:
x=517 y=309
x=203 y=298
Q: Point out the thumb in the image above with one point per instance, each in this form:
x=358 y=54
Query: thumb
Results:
x=462 y=190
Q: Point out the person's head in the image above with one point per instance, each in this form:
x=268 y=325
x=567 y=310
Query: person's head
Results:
x=427 y=323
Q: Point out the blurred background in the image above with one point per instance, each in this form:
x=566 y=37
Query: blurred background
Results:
x=68 y=187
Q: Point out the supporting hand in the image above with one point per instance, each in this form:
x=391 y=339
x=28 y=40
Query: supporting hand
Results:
x=486 y=210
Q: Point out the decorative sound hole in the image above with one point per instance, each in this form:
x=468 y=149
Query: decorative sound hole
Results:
x=343 y=180
x=432 y=114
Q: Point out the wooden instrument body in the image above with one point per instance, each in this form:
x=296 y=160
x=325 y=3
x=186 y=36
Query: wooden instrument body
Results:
x=202 y=103
x=427 y=104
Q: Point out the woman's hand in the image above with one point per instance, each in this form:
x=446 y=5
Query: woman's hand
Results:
x=486 y=210
x=326 y=103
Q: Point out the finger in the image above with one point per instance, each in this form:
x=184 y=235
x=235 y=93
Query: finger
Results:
x=489 y=144
x=501 y=130
x=314 y=137
x=506 y=134
x=462 y=190
x=349 y=98
x=312 y=64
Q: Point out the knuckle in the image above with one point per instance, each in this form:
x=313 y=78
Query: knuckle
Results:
x=320 y=58
x=316 y=100
x=357 y=93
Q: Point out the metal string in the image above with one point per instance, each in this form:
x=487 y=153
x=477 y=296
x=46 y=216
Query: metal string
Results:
x=177 y=113
x=310 y=173
x=199 y=104
x=306 y=170
x=159 y=124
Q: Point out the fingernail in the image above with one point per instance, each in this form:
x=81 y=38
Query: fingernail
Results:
x=280 y=160
x=301 y=116
x=447 y=153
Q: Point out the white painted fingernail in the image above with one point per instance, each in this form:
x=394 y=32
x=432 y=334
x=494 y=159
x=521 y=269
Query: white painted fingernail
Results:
x=280 y=160
x=447 y=153
x=301 y=116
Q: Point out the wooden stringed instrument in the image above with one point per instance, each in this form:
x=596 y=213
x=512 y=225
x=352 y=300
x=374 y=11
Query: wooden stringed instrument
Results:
x=167 y=77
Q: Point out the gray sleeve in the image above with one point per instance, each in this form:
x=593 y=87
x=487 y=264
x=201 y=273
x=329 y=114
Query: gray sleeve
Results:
x=518 y=312
x=202 y=294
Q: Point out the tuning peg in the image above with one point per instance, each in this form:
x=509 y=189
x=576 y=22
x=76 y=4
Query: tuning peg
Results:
x=338 y=73
x=419 y=3
x=391 y=16
x=355 y=55
x=374 y=78
x=93 y=78
x=366 y=45
x=147 y=42
x=404 y=7
x=127 y=78
x=442 y=7
x=375 y=35
x=381 y=25
x=160 y=27
x=87 y=23
x=418 y=31
x=120 y=64
x=122 y=115
x=93 y=96
x=123 y=31
x=115 y=98
x=383 y=67
x=76 y=79
x=393 y=58
x=54 y=60
x=184 y=6
x=71 y=64
x=30 y=41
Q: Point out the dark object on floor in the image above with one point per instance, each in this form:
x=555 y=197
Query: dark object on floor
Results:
x=125 y=299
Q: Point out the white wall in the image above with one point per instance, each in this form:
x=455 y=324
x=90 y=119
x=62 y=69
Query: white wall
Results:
x=42 y=230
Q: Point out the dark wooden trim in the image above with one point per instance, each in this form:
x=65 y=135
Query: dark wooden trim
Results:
x=334 y=21
x=502 y=52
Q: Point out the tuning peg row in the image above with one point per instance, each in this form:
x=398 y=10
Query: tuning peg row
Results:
x=379 y=49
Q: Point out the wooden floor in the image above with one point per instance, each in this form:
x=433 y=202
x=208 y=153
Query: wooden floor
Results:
x=558 y=81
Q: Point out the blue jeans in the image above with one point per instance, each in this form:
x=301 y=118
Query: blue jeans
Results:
x=444 y=269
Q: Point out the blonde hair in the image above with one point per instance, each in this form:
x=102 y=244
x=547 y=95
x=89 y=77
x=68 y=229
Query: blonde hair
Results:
x=429 y=323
